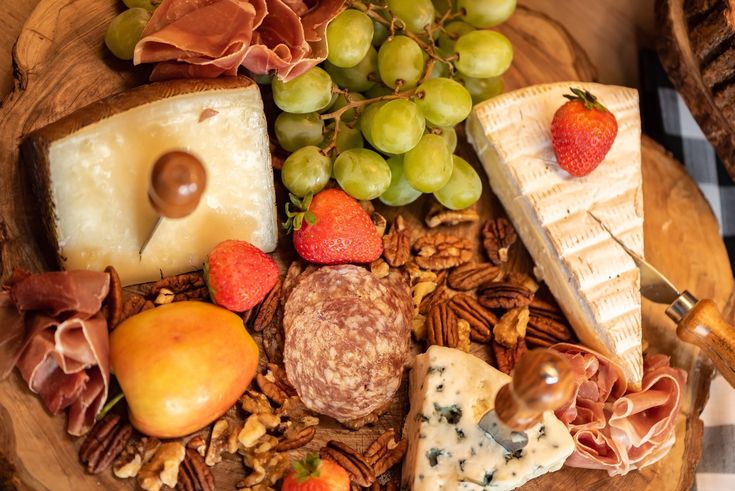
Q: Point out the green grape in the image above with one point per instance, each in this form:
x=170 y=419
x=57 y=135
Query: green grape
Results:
x=349 y=115
x=443 y=101
x=464 y=187
x=400 y=192
x=349 y=36
x=362 y=173
x=440 y=6
x=414 y=13
x=486 y=13
x=347 y=138
x=306 y=171
x=358 y=78
x=439 y=70
x=124 y=32
x=378 y=90
x=428 y=166
x=449 y=135
x=144 y=4
x=397 y=126
x=294 y=131
x=400 y=58
x=309 y=92
x=366 y=120
x=452 y=32
x=482 y=89
x=483 y=54
x=380 y=33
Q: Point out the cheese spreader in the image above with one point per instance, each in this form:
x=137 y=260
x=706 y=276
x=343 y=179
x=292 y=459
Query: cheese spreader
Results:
x=698 y=322
x=177 y=182
x=542 y=381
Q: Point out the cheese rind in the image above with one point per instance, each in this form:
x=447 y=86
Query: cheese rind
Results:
x=556 y=215
x=450 y=391
x=99 y=179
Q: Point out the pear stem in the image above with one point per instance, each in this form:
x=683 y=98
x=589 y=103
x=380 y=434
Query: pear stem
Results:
x=109 y=405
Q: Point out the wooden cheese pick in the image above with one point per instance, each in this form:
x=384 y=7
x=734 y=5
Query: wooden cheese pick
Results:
x=542 y=381
x=177 y=182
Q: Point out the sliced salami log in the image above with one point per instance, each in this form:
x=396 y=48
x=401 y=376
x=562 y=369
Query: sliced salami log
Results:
x=347 y=340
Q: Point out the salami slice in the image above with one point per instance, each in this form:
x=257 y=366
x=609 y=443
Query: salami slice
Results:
x=347 y=340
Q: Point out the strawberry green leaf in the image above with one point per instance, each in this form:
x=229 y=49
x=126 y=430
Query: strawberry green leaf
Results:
x=586 y=97
x=310 y=217
x=306 y=468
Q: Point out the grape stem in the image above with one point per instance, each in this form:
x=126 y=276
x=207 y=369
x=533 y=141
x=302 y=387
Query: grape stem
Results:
x=357 y=104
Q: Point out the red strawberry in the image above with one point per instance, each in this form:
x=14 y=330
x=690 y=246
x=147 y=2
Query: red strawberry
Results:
x=334 y=230
x=239 y=275
x=315 y=474
x=582 y=132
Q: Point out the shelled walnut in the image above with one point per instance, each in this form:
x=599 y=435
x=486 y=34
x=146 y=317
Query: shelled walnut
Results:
x=163 y=468
x=135 y=454
x=442 y=251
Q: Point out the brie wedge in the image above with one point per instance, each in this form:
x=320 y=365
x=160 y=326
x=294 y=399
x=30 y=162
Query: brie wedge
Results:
x=91 y=172
x=564 y=221
x=450 y=390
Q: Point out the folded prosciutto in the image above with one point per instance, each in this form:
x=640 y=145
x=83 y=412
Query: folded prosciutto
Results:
x=51 y=328
x=614 y=428
x=209 y=38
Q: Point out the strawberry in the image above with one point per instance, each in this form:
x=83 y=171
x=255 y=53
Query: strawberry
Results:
x=582 y=132
x=315 y=474
x=333 y=229
x=239 y=275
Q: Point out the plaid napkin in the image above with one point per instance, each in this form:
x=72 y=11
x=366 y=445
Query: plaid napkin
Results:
x=667 y=120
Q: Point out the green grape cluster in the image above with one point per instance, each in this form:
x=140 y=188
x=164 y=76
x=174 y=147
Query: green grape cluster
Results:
x=378 y=115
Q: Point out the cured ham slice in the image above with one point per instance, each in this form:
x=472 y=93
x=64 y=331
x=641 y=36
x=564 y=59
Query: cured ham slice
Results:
x=53 y=331
x=215 y=37
x=614 y=428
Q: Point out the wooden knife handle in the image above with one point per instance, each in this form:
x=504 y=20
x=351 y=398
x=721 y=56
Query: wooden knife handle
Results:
x=542 y=381
x=704 y=327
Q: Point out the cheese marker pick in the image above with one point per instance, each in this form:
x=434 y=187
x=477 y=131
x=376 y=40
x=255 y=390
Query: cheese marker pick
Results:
x=542 y=381
x=177 y=182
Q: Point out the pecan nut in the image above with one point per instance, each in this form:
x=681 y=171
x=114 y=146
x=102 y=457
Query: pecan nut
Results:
x=506 y=358
x=441 y=326
x=385 y=452
x=471 y=275
x=188 y=286
x=511 y=327
x=546 y=331
x=505 y=296
x=439 y=215
x=380 y=446
x=479 y=318
x=114 y=300
x=397 y=243
x=194 y=475
x=391 y=458
x=271 y=389
x=439 y=295
x=372 y=418
x=442 y=251
x=134 y=304
x=498 y=235
x=273 y=342
x=269 y=310
x=360 y=472
x=105 y=441
x=296 y=439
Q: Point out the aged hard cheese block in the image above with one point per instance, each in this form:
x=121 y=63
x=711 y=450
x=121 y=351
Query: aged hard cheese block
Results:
x=592 y=277
x=91 y=172
x=450 y=390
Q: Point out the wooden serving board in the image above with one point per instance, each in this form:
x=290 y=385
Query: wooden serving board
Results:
x=62 y=65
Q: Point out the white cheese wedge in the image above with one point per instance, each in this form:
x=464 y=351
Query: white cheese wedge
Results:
x=98 y=176
x=450 y=390
x=556 y=214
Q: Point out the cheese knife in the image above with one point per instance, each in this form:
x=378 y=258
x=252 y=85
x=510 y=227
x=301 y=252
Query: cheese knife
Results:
x=698 y=322
x=542 y=381
x=177 y=182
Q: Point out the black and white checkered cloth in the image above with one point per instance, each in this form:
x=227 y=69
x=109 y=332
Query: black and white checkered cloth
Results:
x=667 y=119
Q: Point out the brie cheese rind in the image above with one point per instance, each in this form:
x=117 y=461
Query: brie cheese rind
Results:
x=556 y=215
x=450 y=391
x=91 y=173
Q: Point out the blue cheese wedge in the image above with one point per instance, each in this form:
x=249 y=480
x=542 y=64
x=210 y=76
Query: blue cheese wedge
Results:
x=450 y=390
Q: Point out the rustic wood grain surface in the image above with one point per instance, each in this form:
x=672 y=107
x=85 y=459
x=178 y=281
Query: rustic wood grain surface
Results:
x=62 y=66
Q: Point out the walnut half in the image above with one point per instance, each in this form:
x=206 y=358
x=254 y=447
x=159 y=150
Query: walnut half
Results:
x=163 y=468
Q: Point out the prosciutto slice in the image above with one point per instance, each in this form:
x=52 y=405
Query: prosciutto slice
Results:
x=614 y=428
x=210 y=38
x=53 y=331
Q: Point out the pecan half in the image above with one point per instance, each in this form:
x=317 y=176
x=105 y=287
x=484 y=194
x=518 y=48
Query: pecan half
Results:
x=391 y=458
x=439 y=295
x=269 y=310
x=397 y=243
x=194 y=475
x=380 y=446
x=471 y=275
x=546 y=331
x=439 y=215
x=372 y=418
x=498 y=235
x=511 y=327
x=505 y=296
x=441 y=326
x=360 y=472
x=506 y=358
x=442 y=251
x=105 y=441
x=479 y=318
x=296 y=439
x=271 y=389
x=134 y=304
x=273 y=342
x=522 y=279
x=546 y=308
x=188 y=286
x=114 y=300
x=385 y=452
